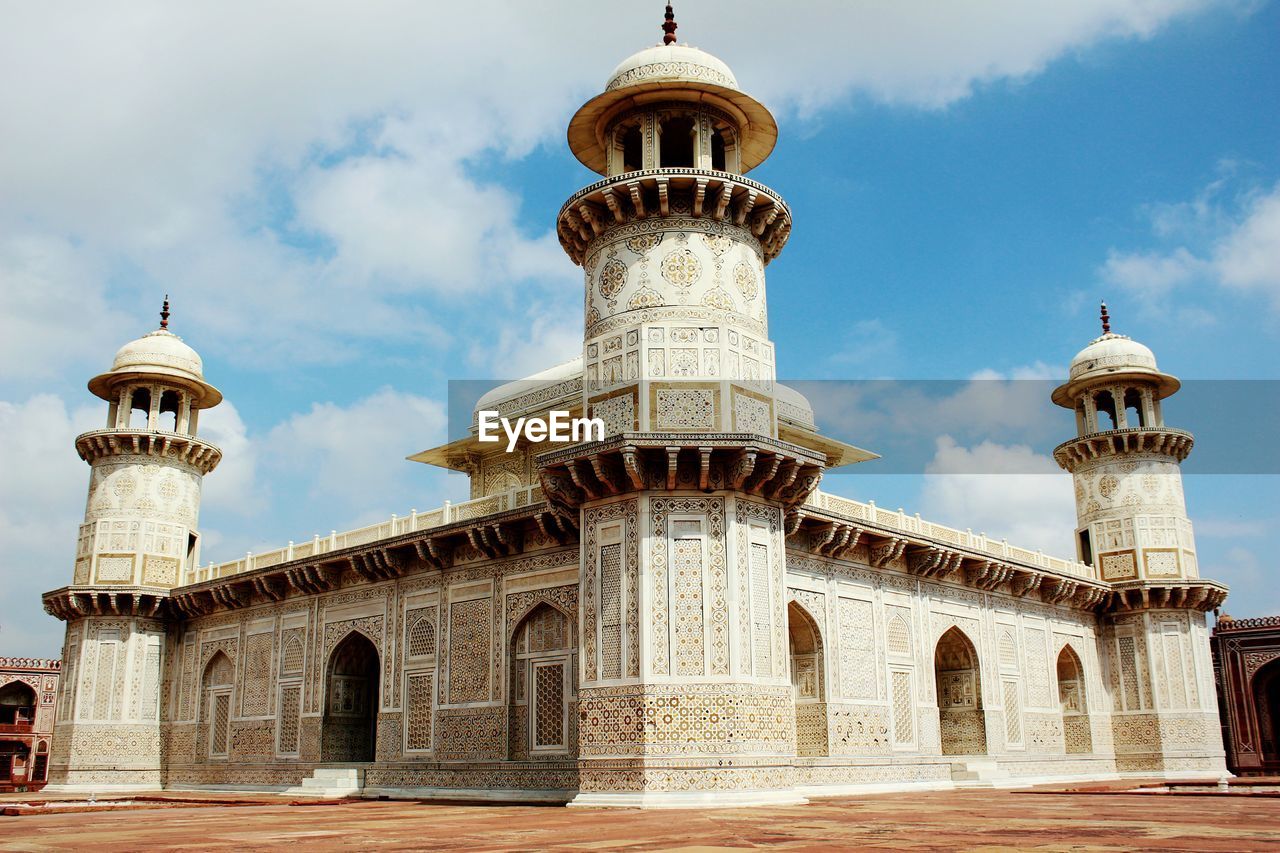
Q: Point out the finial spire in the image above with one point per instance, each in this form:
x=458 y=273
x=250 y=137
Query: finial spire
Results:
x=1106 y=320
x=669 y=26
x=164 y=313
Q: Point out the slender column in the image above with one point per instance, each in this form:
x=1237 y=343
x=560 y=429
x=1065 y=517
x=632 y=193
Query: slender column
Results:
x=153 y=416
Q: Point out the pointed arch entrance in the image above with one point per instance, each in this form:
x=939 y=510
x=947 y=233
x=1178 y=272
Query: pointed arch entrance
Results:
x=807 y=681
x=961 y=722
x=1076 y=735
x=216 y=684
x=349 y=728
x=542 y=698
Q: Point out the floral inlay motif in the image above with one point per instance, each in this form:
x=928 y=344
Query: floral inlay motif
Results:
x=717 y=297
x=745 y=279
x=644 y=242
x=613 y=277
x=645 y=298
x=682 y=268
x=717 y=243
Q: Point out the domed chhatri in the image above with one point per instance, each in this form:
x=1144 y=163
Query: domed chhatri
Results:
x=160 y=355
x=741 y=134
x=1112 y=358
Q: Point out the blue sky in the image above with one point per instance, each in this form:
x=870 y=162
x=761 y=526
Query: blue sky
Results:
x=348 y=211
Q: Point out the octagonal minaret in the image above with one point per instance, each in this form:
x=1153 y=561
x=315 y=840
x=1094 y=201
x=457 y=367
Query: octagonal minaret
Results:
x=139 y=540
x=1133 y=528
x=1132 y=518
x=673 y=242
x=684 y=692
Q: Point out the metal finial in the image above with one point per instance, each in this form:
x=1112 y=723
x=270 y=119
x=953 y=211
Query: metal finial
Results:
x=164 y=313
x=669 y=26
x=1106 y=320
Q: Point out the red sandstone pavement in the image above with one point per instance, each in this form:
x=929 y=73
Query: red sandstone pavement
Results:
x=954 y=820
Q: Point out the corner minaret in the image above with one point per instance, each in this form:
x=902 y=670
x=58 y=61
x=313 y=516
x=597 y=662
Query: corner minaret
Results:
x=1133 y=528
x=1132 y=520
x=139 y=539
x=673 y=243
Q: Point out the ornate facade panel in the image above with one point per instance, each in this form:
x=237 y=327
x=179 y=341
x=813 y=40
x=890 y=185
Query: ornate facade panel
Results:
x=470 y=656
x=290 y=709
x=1036 y=646
x=686 y=719
x=256 y=686
x=419 y=710
x=856 y=641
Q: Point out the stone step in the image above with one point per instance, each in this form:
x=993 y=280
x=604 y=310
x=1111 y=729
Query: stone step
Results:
x=331 y=783
x=978 y=773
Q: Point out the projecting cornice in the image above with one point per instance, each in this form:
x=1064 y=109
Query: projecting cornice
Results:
x=1176 y=443
x=103 y=443
x=656 y=193
x=835 y=537
x=752 y=464
x=495 y=536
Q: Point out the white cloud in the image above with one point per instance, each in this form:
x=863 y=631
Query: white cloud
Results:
x=1031 y=510
x=48 y=286
x=231 y=487
x=344 y=466
x=43 y=485
x=1234 y=245
x=325 y=164
x=869 y=345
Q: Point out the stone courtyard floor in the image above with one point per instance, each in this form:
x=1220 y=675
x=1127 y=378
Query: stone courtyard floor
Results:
x=1038 y=819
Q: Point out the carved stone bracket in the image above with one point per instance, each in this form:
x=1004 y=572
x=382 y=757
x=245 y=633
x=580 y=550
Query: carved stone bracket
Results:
x=750 y=464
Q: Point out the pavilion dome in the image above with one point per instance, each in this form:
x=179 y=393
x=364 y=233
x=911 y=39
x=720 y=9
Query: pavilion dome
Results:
x=1112 y=353
x=160 y=355
x=671 y=63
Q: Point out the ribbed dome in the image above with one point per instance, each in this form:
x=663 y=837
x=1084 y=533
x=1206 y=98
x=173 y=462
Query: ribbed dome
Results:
x=160 y=351
x=673 y=63
x=160 y=354
x=1112 y=353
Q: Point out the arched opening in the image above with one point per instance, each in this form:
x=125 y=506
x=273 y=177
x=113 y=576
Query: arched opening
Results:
x=960 y=718
x=1133 y=414
x=1106 y=406
x=717 y=150
x=219 y=675
x=17 y=705
x=1071 y=697
x=632 y=149
x=40 y=766
x=13 y=762
x=543 y=697
x=805 y=644
x=139 y=408
x=349 y=729
x=676 y=139
x=170 y=401
x=1266 y=702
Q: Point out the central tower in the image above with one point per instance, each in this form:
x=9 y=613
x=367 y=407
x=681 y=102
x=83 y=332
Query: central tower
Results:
x=684 y=693
x=673 y=242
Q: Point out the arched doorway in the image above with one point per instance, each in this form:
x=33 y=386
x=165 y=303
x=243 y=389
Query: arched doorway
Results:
x=1076 y=735
x=960 y=719
x=219 y=674
x=349 y=730
x=543 y=694
x=807 y=682
x=1266 y=703
x=17 y=705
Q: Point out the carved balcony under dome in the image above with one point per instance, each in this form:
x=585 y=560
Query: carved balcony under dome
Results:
x=1162 y=440
x=654 y=193
x=102 y=443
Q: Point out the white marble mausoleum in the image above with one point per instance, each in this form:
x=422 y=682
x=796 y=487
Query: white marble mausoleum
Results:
x=675 y=615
